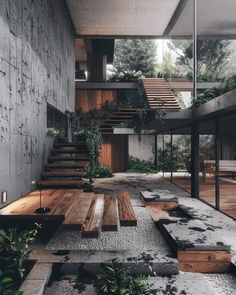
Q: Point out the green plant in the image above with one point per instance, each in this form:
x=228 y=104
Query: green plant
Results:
x=99 y=171
x=93 y=139
x=53 y=132
x=209 y=94
x=167 y=160
x=125 y=76
x=118 y=280
x=14 y=247
x=7 y=285
x=140 y=166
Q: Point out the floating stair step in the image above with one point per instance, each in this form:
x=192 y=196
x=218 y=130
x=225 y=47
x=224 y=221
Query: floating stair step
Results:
x=126 y=211
x=93 y=222
x=67 y=165
x=64 y=151
x=67 y=158
x=68 y=144
x=63 y=174
x=77 y=216
x=110 y=218
x=61 y=183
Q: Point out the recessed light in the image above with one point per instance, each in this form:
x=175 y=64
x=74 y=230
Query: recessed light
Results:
x=4 y=197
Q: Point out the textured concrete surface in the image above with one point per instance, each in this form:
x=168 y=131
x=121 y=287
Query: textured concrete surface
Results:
x=183 y=284
x=159 y=195
x=194 y=235
x=194 y=284
x=36 y=68
x=37 y=279
x=142 y=149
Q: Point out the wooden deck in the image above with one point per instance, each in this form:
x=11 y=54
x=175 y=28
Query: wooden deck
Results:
x=59 y=200
x=207 y=192
x=88 y=212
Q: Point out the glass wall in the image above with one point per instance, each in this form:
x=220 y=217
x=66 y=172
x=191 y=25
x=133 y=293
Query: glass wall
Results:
x=207 y=161
x=227 y=165
x=181 y=158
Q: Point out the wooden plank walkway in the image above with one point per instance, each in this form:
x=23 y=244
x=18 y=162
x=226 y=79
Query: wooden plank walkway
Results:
x=126 y=211
x=86 y=212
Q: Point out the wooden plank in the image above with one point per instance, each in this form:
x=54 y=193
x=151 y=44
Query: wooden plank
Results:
x=205 y=267
x=92 y=224
x=157 y=214
x=206 y=256
x=79 y=211
x=160 y=204
x=126 y=211
x=64 y=206
x=110 y=218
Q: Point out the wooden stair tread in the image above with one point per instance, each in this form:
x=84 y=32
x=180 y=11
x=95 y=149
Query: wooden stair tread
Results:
x=67 y=158
x=157 y=213
x=93 y=221
x=110 y=218
x=74 y=151
x=68 y=144
x=67 y=165
x=79 y=211
x=126 y=211
x=64 y=174
x=50 y=183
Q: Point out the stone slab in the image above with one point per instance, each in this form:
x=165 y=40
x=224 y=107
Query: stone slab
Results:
x=159 y=195
x=195 y=235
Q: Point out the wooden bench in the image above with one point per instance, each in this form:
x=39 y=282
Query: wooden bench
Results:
x=93 y=221
x=110 y=218
x=126 y=211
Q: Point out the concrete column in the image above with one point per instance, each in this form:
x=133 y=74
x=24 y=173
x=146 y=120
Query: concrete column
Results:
x=96 y=67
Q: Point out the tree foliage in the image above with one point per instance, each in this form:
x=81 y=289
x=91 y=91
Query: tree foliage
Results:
x=135 y=55
x=212 y=57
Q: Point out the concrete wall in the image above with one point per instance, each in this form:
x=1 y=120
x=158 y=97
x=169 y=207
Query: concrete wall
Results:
x=143 y=149
x=36 y=68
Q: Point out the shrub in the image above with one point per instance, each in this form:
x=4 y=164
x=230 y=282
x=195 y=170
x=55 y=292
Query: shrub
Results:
x=125 y=76
x=167 y=163
x=14 y=247
x=58 y=134
x=140 y=166
x=209 y=94
x=98 y=171
x=118 y=280
x=7 y=285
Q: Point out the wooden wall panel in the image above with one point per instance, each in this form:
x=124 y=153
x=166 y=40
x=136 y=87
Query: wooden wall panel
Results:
x=113 y=152
x=88 y=100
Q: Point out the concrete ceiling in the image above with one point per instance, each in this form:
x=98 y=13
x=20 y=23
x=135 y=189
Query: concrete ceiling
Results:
x=117 y=18
x=153 y=18
x=216 y=18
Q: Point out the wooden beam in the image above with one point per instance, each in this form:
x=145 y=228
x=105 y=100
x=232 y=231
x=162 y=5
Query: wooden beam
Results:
x=126 y=211
x=110 y=218
x=93 y=221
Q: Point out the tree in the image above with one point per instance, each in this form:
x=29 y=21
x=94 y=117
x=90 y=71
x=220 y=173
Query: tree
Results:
x=212 y=57
x=136 y=55
x=168 y=66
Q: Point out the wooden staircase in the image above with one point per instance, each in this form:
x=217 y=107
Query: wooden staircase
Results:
x=118 y=117
x=159 y=94
x=65 y=168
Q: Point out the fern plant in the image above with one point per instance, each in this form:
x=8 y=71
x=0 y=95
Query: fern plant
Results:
x=117 y=280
